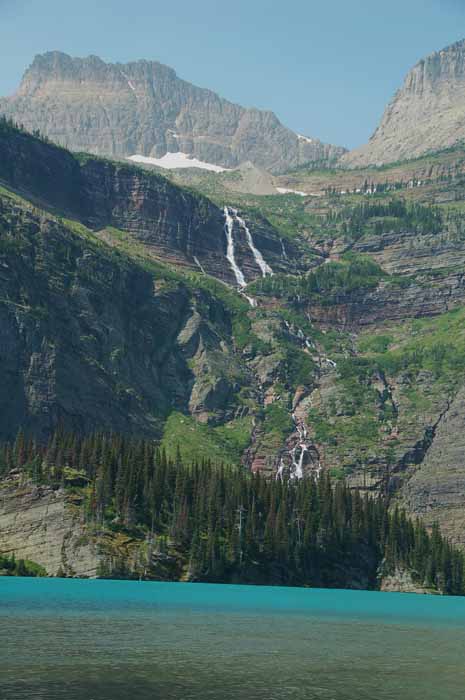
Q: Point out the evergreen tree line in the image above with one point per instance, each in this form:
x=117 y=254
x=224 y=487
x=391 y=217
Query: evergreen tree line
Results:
x=385 y=217
x=7 y=125
x=233 y=526
x=326 y=284
x=397 y=215
x=370 y=187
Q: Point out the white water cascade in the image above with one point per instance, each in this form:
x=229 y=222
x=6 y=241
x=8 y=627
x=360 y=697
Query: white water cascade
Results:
x=259 y=259
x=309 y=344
x=199 y=264
x=252 y=301
x=229 y=231
x=297 y=466
x=293 y=466
x=281 y=468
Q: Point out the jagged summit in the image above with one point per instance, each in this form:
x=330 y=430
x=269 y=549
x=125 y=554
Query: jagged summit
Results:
x=426 y=114
x=143 y=108
x=56 y=65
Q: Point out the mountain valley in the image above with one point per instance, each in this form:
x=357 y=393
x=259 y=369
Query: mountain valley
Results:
x=285 y=318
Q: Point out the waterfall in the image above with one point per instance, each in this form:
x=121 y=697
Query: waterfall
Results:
x=297 y=466
x=283 y=250
x=252 y=301
x=259 y=259
x=298 y=333
x=293 y=465
x=229 y=230
x=198 y=263
x=281 y=468
x=231 y=215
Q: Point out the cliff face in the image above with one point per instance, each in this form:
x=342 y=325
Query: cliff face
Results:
x=79 y=327
x=436 y=492
x=40 y=524
x=93 y=336
x=426 y=114
x=89 y=338
x=175 y=224
x=49 y=526
x=401 y=581
x=144 y=108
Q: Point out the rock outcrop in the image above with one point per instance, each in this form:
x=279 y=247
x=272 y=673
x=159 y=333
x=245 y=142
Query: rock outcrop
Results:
x=144 y=108
x=426 y=114
x=69 y=318
x=401 y=581
x=89 y=338
x=436 y=491
x=49 y=527
x=40 y=524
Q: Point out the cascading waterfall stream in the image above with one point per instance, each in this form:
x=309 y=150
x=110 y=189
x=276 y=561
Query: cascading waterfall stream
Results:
x=297 y=466
x=199 y=264
x=229 y=231
x=295 y=469
x=251 y=300
x=231 y=216
x=300 y=335
x=259 y=259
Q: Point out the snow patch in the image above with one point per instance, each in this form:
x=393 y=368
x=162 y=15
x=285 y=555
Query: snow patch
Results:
x=131 y=85
x=304 y=138
x=284 y=190
x=171 y=161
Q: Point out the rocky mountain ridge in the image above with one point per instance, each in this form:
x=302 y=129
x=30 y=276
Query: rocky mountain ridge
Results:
x=143 y=108
x=426 y=114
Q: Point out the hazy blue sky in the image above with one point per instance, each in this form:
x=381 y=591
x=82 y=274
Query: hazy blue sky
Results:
x=326 y=68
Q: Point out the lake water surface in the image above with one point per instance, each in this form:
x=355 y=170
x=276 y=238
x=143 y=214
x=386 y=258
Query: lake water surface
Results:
x=109 y=640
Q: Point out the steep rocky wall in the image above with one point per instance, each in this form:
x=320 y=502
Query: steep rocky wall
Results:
x=426 y=114
x=48 y=526
x=39 y=524
x=436 y=490
x=424 y=278
x=393 y=302
x=401 y=581
x=144 y=108
x=89 y=339
x=175 y=224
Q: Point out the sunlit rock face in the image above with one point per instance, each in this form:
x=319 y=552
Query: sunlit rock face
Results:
x=144 y=109
x=426 y=114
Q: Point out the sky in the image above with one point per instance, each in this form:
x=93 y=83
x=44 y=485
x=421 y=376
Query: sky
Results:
x=327 y=68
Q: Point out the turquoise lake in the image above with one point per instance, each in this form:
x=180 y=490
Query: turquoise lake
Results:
x=109 y=640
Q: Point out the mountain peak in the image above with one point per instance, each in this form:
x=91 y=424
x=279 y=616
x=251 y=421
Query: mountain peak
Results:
x=143 y=108
x=56 y=62
x=426 y=114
